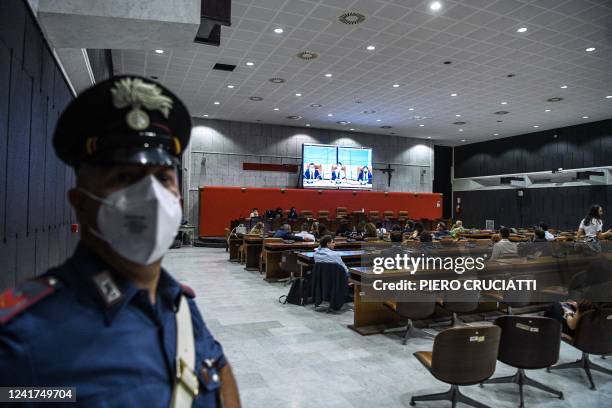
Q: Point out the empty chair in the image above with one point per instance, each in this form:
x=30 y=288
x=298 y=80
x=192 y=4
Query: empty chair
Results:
x=373 y=215
x=513 y=298
x=593 y=335
x=341 y=212
x=528 y=343
x=306 y=214
x=388 y=215
x=460 y=301
x=323 y=215
x=402 y=216
x=460 y=356
x=421 y=305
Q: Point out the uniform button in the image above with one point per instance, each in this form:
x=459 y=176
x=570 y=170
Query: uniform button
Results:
x=215 y=377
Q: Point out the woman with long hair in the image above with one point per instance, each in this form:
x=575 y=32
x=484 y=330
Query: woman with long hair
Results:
x=591 y=226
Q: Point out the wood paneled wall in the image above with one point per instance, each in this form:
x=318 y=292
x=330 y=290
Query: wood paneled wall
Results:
x=35 y=215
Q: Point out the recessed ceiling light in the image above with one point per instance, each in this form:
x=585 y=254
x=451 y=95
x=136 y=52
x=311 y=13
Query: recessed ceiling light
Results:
x=386 y=127
x=410 y=109
x=351 y=129
x=278 y=30
x=495 y=134
x=447 y=62
x=343 y=122
x=458 y=115
x=504 y=103
x=256 y=98
x=609 y=97
x=294 y=117
x=230 y=86
x=585 y=117
x=453 y=94
x=563 y=87
x=501 y=112
x=205 y=115
x=378 y=120
x=463 y=140
x=298 y=94
x=521 y=30
x=546 y=110
x=429 y=137
x=328 y=75
x=275 y=109
x=536 y=126
x=421 y=125
x=396 y=85
x=216 y=102
x=308 y=124
x=159 y=51
x=435 y=6
x=459 y=123
x=330 y=114
x=461 y=130
x=590 y=49
x=250 y=64
x=370 y=47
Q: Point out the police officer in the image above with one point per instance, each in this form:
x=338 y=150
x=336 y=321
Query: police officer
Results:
x=110 y=321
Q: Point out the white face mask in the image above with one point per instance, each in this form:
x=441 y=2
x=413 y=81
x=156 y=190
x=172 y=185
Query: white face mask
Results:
x=140 y=221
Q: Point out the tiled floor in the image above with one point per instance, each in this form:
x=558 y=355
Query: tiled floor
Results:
x=292 y=356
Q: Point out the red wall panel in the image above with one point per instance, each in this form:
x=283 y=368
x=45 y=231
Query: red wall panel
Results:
x=220 y=205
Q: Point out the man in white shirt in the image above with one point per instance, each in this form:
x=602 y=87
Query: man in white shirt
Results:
x=547 y=235
x=326 y=254
x=305 y=234
x=504 y=248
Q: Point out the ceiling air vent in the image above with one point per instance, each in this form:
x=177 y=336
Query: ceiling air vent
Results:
x=459 y=123
x=315 y=105
x=277 y=80
x=501 y=113
x=555 y=99
x=294 y=117
x=351 y=18
x=255 y=98
x=224 y=67
x=386 y=127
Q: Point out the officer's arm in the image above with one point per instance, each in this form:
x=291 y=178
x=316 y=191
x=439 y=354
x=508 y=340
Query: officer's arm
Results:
x=229 y=389
x=15 y=365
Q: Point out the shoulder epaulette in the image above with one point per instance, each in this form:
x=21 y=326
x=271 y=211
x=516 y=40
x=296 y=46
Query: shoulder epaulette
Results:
x=188 y=291
x=15 y=300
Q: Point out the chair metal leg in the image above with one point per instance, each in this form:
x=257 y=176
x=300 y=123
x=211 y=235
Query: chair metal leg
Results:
x=453 y=395
x=521 y=379
x=587 y=365
x=411 y=331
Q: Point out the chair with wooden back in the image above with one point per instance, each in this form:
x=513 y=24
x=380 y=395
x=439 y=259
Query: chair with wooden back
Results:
x=593 y=335
x=528 y=343
x=306 y=214
x=373 y=216
x=323 y=215
x=461 y=356
x=341 y=212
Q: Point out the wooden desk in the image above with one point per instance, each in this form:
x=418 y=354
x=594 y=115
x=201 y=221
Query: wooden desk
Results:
x=235 y=241
x=253 y=244
x=274 y=252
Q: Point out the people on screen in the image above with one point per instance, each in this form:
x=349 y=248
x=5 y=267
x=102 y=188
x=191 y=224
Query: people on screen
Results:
x=338 y=173
x=365 y=177
x=326 y=254
x=312 y=174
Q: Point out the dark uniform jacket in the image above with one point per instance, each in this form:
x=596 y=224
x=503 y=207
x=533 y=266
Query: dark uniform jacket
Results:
x=117 y=354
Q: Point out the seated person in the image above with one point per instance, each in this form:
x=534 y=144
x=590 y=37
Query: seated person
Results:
x=314 y=229
x=504 y=248
x=254 y=213
x=311 y=174
x=380 y=230
x=418 y=230
x=279 y=213
x=442 y=231
x=284 y=232
x=293 y=214
x=568 y=313
x=270 y=214
x=257 y=229
x=304 y=233
x=322 y=230
x=370 y=231
x=338 y=174
x=365 y=177
x=547 y=235
x=425 y=237
x=539 y=245
x=326 y=254
x=396 y=237
x=359 y=231
x=409 y=227
x=343 y=229
x=457 y=229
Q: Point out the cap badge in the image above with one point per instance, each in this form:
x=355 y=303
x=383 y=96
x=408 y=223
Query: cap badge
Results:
x=136 y=93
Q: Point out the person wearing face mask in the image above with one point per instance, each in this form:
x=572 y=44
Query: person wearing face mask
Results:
x=110 y=321
x=365 y=177
x=312 y=174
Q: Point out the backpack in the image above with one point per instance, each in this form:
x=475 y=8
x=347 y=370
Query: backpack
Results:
x=299 y=293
